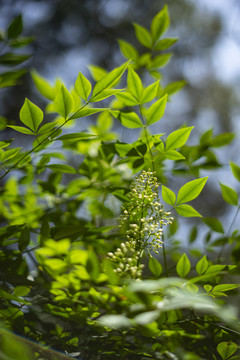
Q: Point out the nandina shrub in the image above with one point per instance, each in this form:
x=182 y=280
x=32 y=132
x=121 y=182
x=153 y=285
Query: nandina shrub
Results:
x=90 y=265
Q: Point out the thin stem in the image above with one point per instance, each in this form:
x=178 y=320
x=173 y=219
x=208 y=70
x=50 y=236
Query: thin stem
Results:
x=165 y=257
x=146 y=135
x=41 y=142
x=228 y=232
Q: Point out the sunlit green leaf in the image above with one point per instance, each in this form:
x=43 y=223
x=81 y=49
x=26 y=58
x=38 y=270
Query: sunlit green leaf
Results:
x=187 y=211
x=160 y=23
x=164 y=44
x=149 y=93
x=143 y=35
x=156 y=110
x=134 y=83
x=97 y=72
x=172 y=87
x=104 y=94
x=128 y=50
x=109 y=80
x=229 y=195
x=235 y=170
x=62 y=168
x=22 y=129
x=178 y=138
x=173 y=155
x=191 y=190
x=128 y=119
x=63 y=102
x=160 y=61
x=202 y=265
x=43 y=86
x=168 y=195
x=226 y=349
x=155 y=266
x=87 y=112
x=76 y=136
x=31 y=115
x=127 y=98
x=183 y=266
x=83 y=86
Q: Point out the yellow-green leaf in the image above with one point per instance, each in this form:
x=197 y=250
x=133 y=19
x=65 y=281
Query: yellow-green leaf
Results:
x=31 y=115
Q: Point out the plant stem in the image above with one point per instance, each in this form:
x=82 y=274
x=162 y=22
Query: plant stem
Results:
x=165 y=258
x=228 y=232
x=40 y=143
x=146 y=135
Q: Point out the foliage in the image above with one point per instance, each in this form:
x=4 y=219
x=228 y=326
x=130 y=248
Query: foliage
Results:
x=71 y=277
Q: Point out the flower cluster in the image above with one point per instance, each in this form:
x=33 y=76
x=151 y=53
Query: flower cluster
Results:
x=142 y=222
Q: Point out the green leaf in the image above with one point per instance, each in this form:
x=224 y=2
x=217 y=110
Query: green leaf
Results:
x=43 y=86
x=214 y=224
x=31 y=115
x=46 y=128
x=134 y=83
x=160 y=61
x=21 y=129
x=149 y=93
x=202 y=265
x=24 y=239
x=127 y=98
x=10 y=78
x=109 y=80
x=128 y=50
x=235 y=170
x=105 y=94
x=143 y=35
x=183 y=266
x=160 y=24
x=9 y=154
x=178 y=138
x=92 y=265
x=173 y=155
x=227 y=349
x=87 y=112
x=222 y=139
x=191 y=190
x=229 y=195
x=62 y=168
x=187 y=211
x=63 y=102
x=215 y=269
x=10 y=59
x=168 y=195
x=225 y=287
x=154 y=266
x=21 y=42
x=76 y=136
x=156 y=110
x=97 y=72
x=164 y=44
x=83 y=87
x=128 y=119
x=15 y=28
x=6 y=143
x=173 y=87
